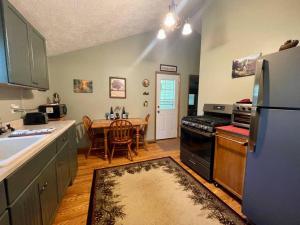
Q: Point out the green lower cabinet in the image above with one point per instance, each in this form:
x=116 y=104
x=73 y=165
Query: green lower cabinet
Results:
x=4 y=218
x=26 y=209
x=73 y=152
x=48 y=193
x=63 y=171
x=36 y=202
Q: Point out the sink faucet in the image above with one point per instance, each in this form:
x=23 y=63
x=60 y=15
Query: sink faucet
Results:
x=4 y=130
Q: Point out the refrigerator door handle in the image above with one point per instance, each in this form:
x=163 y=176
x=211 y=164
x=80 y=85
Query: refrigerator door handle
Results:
x=253 y=128
x=258 y=95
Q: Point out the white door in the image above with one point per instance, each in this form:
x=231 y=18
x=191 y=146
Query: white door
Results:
x=167 y=87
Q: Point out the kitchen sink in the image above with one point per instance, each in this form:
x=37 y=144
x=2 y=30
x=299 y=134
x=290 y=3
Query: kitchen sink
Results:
x=11 y=148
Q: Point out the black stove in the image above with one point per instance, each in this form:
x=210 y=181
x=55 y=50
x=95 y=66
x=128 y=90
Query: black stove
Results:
x=197 y=138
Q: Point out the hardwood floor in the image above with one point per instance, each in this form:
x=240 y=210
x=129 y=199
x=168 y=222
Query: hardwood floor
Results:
x=74 y=206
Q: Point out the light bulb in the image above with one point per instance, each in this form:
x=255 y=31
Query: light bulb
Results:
x=187 y=29
x=161 y=34
x=170 y=20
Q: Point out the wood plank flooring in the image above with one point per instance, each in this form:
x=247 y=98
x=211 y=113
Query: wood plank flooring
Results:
x=74 y=206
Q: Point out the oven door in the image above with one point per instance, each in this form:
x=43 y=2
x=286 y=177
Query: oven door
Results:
x=197 y=150
x=241 y=119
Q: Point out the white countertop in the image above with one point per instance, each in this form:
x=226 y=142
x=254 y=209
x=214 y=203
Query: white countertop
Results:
x=60 y=127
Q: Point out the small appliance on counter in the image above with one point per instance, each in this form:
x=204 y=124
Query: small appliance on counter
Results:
x=54 y=111
x=35 y=118
x=241 y=115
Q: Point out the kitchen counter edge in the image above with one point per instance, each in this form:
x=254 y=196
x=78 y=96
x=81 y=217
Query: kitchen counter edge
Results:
x=61 y=127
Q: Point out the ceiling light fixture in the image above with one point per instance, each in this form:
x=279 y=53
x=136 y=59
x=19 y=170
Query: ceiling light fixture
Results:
x=187 y=28
x=172 y=22
x=161 y=34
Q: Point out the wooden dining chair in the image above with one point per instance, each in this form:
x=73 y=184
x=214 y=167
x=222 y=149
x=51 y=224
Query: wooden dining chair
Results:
x=94 y=138
x=143 y=133
x=121 y=133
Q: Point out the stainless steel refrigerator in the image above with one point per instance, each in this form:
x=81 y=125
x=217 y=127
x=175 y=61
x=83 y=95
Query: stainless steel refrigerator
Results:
x=272 y=180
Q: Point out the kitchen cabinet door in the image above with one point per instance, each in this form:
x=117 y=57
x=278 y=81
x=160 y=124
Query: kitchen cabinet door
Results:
x=73 y=152
x=48 y=193
x=26 y=209
x=38 y=60
x=230 y=162
x=63 y=171
x=3 y=202
x=4 y=219
x=18 y=47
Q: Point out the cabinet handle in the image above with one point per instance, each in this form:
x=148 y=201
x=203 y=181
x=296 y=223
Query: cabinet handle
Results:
x=235 y=141
x=42 y=189
x=192 y=162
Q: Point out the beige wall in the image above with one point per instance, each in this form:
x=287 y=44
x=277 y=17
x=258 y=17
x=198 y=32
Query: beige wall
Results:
x=233 y=29
x=132 y=58
x=22 y=97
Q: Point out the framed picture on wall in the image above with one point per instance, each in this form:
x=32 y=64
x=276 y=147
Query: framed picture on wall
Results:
x=168 y=68
x=117 y=87
x=244 y=67
x=82 y=86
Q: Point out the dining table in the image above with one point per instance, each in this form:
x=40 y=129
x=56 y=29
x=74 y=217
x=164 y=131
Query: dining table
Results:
x=105 y=125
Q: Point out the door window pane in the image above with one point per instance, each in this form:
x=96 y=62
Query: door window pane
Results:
x=167 y=94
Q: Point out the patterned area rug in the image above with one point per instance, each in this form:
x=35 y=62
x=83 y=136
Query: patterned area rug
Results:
x=154 y=192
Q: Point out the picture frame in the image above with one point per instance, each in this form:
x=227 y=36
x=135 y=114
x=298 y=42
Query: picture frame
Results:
x=117 y=87
x=244 y=67
x=82 y=86
x=168 y=68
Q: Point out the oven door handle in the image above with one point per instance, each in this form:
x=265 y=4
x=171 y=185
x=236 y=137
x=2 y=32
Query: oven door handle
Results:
x=206 y=134
x=244 y=143
x=241 y=113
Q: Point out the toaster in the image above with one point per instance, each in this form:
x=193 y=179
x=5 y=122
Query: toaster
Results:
x=35 y=118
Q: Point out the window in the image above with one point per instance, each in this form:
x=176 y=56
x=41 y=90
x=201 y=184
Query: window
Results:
x=191 y=99
x=167 y=94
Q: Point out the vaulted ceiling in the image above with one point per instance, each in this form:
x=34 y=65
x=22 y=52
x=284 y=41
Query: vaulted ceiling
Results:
x=70 y=25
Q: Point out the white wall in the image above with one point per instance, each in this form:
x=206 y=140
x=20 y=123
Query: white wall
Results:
x=234 y=29
x=135 y=58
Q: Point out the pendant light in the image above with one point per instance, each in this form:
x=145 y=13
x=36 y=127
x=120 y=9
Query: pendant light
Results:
x=187 y=28
x=171 y=18
x=161 y=34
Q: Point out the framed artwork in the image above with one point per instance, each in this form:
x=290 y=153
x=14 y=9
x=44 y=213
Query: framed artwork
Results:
x=82 y=86
x=117 y=87
x=245 y=66
x=168 y=68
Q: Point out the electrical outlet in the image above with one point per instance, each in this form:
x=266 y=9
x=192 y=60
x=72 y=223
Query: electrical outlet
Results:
x=13 y=107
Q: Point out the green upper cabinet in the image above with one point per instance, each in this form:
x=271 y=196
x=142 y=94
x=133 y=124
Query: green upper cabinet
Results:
x=18 y=49
x=38 y=59
x=25 y=51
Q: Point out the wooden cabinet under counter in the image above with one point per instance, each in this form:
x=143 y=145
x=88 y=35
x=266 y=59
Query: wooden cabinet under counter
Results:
x=230 y=160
